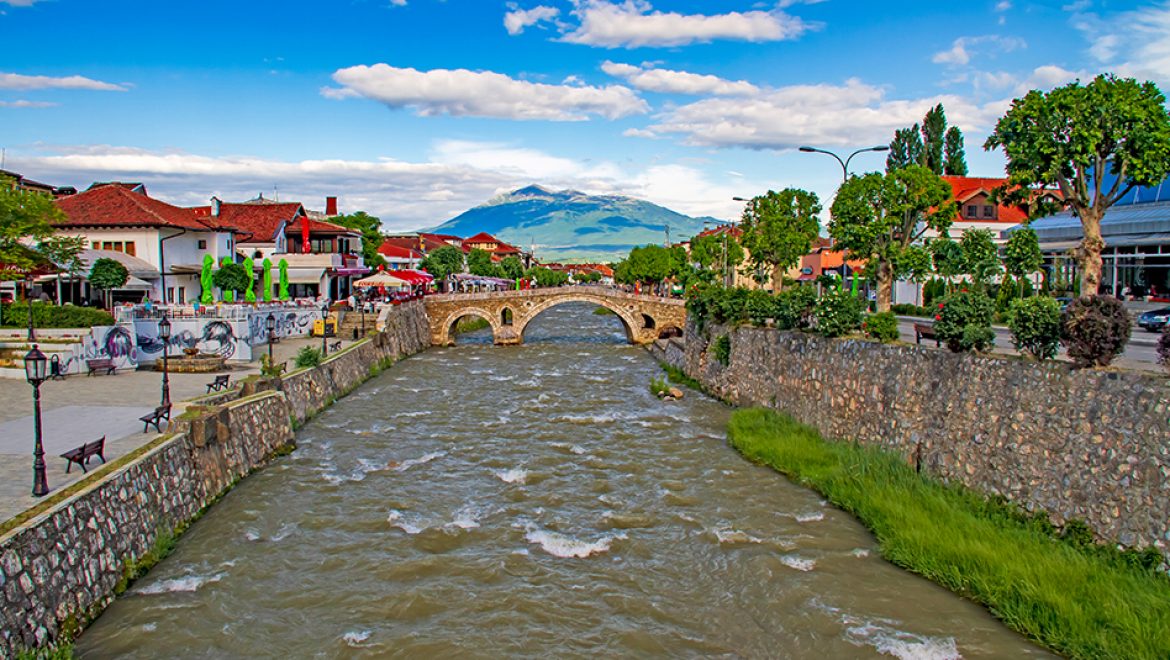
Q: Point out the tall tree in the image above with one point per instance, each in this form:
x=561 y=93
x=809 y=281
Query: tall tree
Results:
x=648 y=263
x=64 y=252
x=955 y=156
x=718 y=253
x=934 y=129
x=511 y=267
x=444 y=262
x=25 y=219
x=1096 y=142
x=479 y=262
x=1022 y=254
x=779 y=228
x=107 y=275
x=876 y=217
x=372 y=238
x=905 y=149
x=980 y=256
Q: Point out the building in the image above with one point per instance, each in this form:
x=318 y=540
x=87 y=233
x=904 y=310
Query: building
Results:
x=20 y=182
x=172 y=241
x=399 y=257
x=497 y=248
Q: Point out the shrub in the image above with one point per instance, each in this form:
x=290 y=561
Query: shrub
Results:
x=882 y=326
x=963 y=321
x=838 y=313
x=761 y=306
x=1095 y=330
x=658 y=387
x=721 y=349
x=933 y=290
x=46 y=315
x=1164 y=347
x=795 y=308
x=270 y=370
x=1007 y=293
x=1035 y=324
x=308 y=357
x=731 y=305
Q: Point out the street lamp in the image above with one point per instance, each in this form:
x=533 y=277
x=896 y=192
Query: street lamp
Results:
x=28 y=301
x=844 y=163
x=35 y=367
x=164 y=333
x=270 y=324
x=324 y=325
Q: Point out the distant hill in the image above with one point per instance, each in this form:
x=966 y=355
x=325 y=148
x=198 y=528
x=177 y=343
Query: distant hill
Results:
x=568 y=225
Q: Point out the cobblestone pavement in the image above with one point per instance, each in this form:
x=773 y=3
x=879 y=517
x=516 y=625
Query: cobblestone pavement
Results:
x=81 y=408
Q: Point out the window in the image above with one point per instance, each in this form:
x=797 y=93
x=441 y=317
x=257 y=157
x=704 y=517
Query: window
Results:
x=170 y=294
x=989 y=211
x=116 y=246
x=97 y=245
x=972 y=211
x=130 y=249
x=202 y=244
x=182 y=295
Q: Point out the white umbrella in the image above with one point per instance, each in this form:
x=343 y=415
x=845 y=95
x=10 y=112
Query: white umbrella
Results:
x=381 y=279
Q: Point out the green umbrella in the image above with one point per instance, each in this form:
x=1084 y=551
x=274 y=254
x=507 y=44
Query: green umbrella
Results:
x=267 y=296
x=208 y=295
x=250 y=293
x=283 y=265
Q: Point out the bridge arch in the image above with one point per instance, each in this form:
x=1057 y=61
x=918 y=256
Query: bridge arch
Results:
x=631 y=320
x=449 y=322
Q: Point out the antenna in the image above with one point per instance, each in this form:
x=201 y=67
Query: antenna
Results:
x=275 y=193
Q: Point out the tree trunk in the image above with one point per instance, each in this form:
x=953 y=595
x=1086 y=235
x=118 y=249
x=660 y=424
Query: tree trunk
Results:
x=885 y=285
x=1088 y=254
x=777 y=278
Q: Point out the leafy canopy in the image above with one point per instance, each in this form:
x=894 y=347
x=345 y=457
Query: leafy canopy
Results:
x=108 y=274
x=717 y=250
x=511 y=267
x=1022 y=252
x=779 y=228
x=26 y=218
x=877 y=216
x=980 y=255
x=444 y=262
x=372 y=238
x=649 y=263
x=232 y=277
x=479 y=262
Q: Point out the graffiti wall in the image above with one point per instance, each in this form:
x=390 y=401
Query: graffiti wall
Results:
x=289 y=323
x=230 y=339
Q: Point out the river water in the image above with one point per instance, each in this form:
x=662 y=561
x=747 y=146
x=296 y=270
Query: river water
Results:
x=531 y=501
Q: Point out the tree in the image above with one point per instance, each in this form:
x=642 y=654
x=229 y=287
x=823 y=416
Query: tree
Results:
x=980 y=256
x=444 y=262
x=107 y=275
x=372 y=237
x=479 y=262
x=511 y=267
x=955 y=155
x=779 y=229
x=547 y=276
x=231 y=278
x=1022 y=254
x=65 y=253
x=915 y=264
x=905 y=148
x=649 y=263
x=875 y=217
x=947 y=257
x=718 y=252
x=1078 y=137
x=26 y=218
x=934 y=129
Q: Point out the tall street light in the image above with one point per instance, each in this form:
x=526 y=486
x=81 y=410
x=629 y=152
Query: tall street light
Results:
x=270 y=325
x=324 y=325
x=844 y=163
x=35 y=368
x=164 y=333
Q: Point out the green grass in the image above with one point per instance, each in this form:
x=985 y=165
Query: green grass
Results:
x=470 y=324
x=604 y=311
x=677 y=377
x=658 y=387
x=1075 y=598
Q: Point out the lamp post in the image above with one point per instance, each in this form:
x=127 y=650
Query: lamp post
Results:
x=28 y=301
x=324 y=325
x=164 y=333
x=844 y=163
x=35 y=367
x=270 y=324
x=362 y=305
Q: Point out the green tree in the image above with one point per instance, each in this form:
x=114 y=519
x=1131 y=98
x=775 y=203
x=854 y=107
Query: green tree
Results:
x=207 y=280
x=372 y=237
x=980 y=256
x=65 y=253
x=955 y=155
x=266 y=279
x=717 y=253
x=1022 y=254
x=444 y=262
x=107 y=275
x=876 y=217
x=547 y=276
x=250 y=270
x=479 y=262
x=1077 y=137
x=934 y=129
x=511 y=267
x=779 y=229
x=905 y=148
x=947 y=257
x=231 y=278
x=26 y=218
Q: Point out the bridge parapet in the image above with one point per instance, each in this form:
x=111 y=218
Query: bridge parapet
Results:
x=644 y=317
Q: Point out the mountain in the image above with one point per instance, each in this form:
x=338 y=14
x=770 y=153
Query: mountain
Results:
x=568 y=225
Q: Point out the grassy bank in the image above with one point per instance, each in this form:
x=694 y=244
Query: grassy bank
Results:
x=1080 y=600
x=470 y=324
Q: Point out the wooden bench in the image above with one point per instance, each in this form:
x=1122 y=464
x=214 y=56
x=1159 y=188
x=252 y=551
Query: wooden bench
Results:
x=100 y=364
x=220 y=383
x=156 y=418
x=335 y=346
x=925 y=330
x=82 y=454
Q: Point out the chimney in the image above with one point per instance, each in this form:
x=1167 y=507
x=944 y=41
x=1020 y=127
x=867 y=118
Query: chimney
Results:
x=330 y=206
x=215 y=207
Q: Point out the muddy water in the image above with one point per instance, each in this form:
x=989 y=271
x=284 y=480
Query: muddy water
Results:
x=531 y=501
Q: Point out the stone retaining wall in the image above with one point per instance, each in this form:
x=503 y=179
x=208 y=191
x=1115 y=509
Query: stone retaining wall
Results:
x=1091 y=445
x=61 y=569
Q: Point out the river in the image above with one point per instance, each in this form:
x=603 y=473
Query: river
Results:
x=531 y=501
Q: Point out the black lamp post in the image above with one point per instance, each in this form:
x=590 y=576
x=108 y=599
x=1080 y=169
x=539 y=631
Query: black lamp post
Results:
x=35 y=368
x=28 y=301
x=324 y=326
x=844 y=163
x=270 y=323
x=164 y=333
x=362 y=305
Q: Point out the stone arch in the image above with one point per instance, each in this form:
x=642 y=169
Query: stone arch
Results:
x=630 y=318
x=507 y=316
x=448 y=324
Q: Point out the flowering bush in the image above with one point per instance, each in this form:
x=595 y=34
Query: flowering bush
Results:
x=963 y=321
x=794 y=308
x=1095 y=330
x=838 y=313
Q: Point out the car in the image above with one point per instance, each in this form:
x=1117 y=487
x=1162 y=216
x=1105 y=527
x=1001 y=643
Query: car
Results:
x=1155 y=320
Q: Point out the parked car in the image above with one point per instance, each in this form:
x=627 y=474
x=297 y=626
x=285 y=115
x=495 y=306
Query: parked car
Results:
x=1155 y=320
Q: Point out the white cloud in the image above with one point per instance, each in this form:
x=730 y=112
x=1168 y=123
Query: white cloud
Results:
x=1133 y=43
x=665 y=81
x=26 y=104
x=19 y=3
x=635 y=23
x=23 y=82
x=960 y=52
x=516 y=20
x=852 y=114
x=460 y=92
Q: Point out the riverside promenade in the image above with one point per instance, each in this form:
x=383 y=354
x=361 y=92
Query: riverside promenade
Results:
x=82 y=408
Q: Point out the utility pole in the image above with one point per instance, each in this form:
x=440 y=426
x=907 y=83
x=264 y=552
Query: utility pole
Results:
x=667 y=245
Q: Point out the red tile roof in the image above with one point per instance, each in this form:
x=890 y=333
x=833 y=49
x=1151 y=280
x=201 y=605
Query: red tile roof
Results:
x=392 y=250
x=733 y=230
x=118 y=206
x=966 y=187
x=319 y=227
x=255 y=222
x=481 y=237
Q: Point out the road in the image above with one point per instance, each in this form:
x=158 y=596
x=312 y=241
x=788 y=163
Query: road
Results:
x=1140 y=353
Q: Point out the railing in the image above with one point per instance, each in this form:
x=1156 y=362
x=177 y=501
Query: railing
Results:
x=605 y=291
x=225 y=311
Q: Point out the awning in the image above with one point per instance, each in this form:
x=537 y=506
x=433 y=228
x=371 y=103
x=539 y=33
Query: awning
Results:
x=303 y=275
x=414 y=277
x=135 y=284
x=381 y=279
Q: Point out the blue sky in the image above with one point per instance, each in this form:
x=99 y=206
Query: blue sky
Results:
x=416 y=110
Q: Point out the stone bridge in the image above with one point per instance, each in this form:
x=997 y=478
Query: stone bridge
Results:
x=645 y=318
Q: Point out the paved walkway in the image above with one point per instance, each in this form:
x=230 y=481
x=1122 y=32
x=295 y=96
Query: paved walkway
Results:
x=80 y=409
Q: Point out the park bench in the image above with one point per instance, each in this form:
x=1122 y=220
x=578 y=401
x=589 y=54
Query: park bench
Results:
x=335 y=346
x=82 y=454
x=100 y=364
x=156 y=418
x=220 y=383
x=926 y=330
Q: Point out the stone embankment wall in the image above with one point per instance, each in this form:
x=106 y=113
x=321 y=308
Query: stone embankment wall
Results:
x=62 y=568
x=1090 y=445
